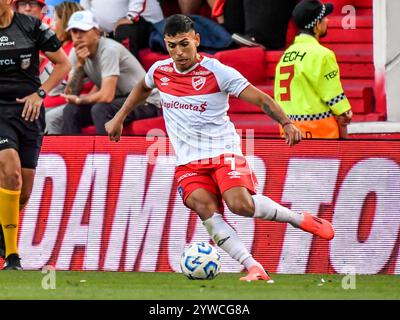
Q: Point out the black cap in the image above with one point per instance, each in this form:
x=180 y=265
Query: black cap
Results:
x=307 y=13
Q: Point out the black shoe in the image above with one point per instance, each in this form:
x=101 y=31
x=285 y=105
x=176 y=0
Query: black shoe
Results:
x=247 y=41
x=2 y=244
x=12 y=262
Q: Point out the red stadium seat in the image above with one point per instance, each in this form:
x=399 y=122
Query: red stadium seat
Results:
x=249 y=62
x=148 y=57
x=262 y=125
x=145 y=126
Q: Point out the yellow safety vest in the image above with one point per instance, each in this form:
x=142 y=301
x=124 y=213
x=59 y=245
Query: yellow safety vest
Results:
x=308 y=88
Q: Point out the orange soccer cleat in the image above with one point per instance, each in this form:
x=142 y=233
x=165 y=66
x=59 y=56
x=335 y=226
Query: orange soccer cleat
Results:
x=319 y=227
x=256 y=273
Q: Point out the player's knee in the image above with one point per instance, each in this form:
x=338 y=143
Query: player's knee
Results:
x=204 y=209
x=241 y=206
x=11 y=179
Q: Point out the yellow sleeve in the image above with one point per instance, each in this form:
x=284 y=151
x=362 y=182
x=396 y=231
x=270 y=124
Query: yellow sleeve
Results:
x=329 y=86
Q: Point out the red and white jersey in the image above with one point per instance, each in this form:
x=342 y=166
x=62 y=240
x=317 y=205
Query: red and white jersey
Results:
x=195 y=105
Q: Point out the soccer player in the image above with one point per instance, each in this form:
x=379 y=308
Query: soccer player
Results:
x=211 y=166
x=22 y=114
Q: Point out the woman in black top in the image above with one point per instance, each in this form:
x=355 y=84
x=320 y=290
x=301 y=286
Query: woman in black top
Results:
x=22 y=114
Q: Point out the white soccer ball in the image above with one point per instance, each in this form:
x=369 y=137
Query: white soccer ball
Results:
x=200 y=261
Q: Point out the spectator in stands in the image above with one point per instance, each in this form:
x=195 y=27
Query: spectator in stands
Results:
x=189 y=7
x=307 y=80
x=214 y=37
x=114 y=71
x=53 y=102
x=36 y=8
x=255 y=23
x=127 y=21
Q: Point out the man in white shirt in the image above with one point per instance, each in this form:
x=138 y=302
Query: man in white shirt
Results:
x=211 y=167
x=127 y=21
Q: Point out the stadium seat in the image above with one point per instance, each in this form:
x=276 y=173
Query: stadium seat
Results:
x=262 y=125
x=249 y=62
x=148 y=57
x=148 y=126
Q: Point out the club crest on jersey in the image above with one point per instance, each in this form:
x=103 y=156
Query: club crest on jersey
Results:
x=198 y=82
x=25 y=63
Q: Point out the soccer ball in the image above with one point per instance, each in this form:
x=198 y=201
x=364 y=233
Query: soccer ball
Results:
x=200 y=261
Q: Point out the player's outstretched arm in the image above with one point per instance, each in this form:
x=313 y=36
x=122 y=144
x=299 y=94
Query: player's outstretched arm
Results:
x=273 y=109
x=137 y=96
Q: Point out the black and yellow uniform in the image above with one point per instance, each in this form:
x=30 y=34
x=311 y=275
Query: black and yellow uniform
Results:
x=20 y=44
x=308 y=88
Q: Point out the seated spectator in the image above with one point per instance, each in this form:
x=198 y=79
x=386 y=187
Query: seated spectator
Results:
x=36 y=8
x=114 y=71
x=127 y=21
x=189 y=7
x=214 y=37
x=53 y=102
x=256 y=23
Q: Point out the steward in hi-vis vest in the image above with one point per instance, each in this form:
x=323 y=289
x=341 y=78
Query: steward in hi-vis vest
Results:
x=307 y=79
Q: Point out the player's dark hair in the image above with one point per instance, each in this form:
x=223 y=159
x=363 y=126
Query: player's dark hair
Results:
x=178 y=23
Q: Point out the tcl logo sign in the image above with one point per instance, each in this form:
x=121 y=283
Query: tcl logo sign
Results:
x=105 y=206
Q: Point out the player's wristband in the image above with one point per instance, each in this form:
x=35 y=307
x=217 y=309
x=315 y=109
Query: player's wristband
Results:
x=285 y=124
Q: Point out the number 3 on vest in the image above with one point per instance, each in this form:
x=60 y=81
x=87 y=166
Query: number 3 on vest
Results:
x=286 y=83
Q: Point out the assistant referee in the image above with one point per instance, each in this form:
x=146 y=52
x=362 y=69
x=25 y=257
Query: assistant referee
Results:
x=307 y=79
x=22 y=118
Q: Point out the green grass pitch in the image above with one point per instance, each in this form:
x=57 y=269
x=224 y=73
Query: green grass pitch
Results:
x=171 y=286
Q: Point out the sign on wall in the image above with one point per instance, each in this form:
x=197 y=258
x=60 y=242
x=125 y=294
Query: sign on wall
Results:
x=100 y=205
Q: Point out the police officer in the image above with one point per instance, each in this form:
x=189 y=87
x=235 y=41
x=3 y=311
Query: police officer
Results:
x=22 y=113
x=307 y=79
